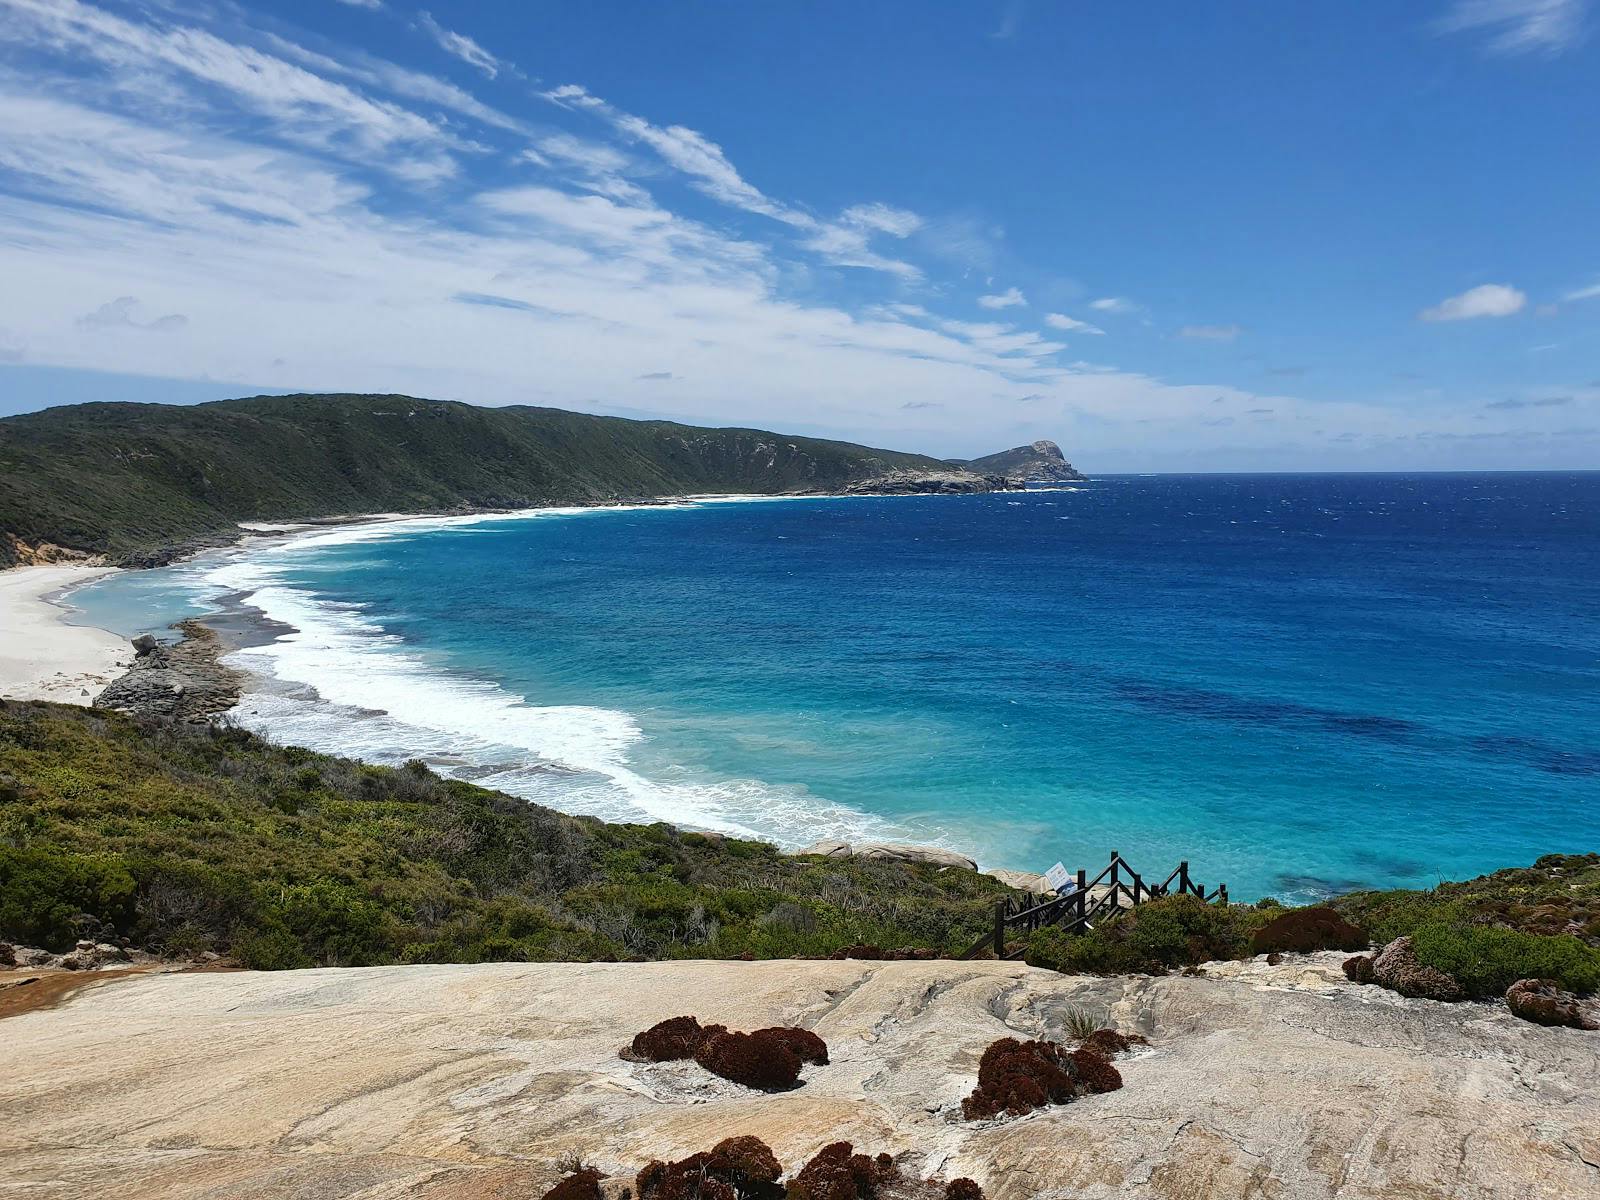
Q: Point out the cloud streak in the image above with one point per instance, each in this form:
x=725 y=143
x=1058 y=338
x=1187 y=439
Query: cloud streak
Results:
x=1485 y=300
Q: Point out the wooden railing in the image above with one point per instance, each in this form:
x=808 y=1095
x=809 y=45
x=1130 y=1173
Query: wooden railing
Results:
x=1080 y=910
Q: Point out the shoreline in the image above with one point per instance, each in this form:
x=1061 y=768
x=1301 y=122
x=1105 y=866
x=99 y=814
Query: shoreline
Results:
x=234 y=623
x=44 y=657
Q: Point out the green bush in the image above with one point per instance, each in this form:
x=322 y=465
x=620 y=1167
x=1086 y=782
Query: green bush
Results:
x=213 y=839
x=1486 y=960
x=43 y=891
x=1159 y=935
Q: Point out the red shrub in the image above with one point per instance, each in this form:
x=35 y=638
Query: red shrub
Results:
x=805 y=1045
x=583 y=1184
x=737 y=1168
x=669 y=1040
x=1018 y=1077
x=1108 y=1042
x=1095 y=1072
x=837 y=1173
x=756 y=1060
x=962 y=1189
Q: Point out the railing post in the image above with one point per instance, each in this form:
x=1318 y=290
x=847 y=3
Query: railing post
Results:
x=1116 y=866
x=1183 y=877
x=1000 y=929
x=1222 y=894
x=1083 y=895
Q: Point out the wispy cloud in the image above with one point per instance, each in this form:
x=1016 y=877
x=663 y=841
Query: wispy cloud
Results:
x=374 y=5
x=1010 y=298
x=119 y=314
x=1211 y=333
x=1542 y=402
x=1114 y=304
x=460 y=45
x=1520 y=26
x=1071 y=324
x=1583 y=293
x=687 y=151
x=1485 y=300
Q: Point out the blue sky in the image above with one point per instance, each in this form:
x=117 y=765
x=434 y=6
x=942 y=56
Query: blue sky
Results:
x=1171 y=236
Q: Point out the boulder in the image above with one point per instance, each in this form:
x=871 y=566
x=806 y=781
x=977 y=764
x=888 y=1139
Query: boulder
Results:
x=897 y=852
x=828 y=848
x=1396 y=967
x=1545 y=1002
x=1358 y=968
x=1023 y=881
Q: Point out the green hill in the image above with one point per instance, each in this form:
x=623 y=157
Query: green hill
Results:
x=135 y=481
x=1040 y=461
x=210 y=838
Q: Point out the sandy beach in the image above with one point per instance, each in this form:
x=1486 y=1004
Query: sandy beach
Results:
x=41 y=656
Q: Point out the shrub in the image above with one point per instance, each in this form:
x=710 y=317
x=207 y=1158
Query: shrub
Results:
x=760 y=1060
x=1305 y=930
x=1174 y=931
x=670 y=1040
x=1108 y=1042
x=1486 y=961
x=805 y=1045
x=583 y=1184
x=44 y=892
x=1094 y=1071
x=836 y=1172
x=737 y=1168
x=1082 y=1023
x=963 y=1189
x=1017 y=1077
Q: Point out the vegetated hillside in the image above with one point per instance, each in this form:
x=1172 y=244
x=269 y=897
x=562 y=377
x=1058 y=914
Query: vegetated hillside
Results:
x=129 y=479
x=191 y=839
x=1038 y=461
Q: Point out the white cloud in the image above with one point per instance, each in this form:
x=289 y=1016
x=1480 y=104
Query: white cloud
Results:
x=460 y=45
x=119 y=314
x=269 y=203
x=1520 y=26
x=1584 y=293
x=1485 y=300
x=374 y=5
x=687 y=151
x=897 y=222
x=306 y=107
x=1114 y=304
x=1010 y=298
x=1071 y=324
x=1211 y=333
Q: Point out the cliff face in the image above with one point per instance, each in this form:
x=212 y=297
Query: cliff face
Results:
x=1038 y=462
x=430 y=1082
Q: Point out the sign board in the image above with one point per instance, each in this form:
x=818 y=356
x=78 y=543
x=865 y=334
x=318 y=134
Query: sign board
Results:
x=1058 y=877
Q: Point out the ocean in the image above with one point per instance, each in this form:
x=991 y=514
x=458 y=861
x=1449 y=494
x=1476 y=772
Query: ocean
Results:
x=1301 y=684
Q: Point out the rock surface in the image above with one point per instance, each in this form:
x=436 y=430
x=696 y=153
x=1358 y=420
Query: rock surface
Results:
x=430 y=1082
x=1037 y=462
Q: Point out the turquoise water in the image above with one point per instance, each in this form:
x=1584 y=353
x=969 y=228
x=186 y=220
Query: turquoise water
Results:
x=1299 y=683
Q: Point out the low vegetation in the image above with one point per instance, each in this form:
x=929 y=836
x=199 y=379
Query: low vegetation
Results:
x=745 y=1168
x=190 y=840
x=1016 y=1077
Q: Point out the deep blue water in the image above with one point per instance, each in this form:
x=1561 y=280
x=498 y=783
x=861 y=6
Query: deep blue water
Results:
x=1298 y=683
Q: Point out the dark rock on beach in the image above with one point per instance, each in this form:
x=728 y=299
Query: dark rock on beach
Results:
x=185 y=681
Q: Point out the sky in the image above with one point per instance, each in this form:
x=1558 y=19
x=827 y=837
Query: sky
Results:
x=1170 y=236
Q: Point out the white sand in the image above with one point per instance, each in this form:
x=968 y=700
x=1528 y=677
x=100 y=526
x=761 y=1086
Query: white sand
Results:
x=41 y=656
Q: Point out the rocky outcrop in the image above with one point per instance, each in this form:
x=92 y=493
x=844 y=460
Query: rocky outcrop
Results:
x=891 y=851
x=1038 y=462
x=910 y=482
x=1397 y=968
x=1545 y=1002
x=429 y=1082
x=185 y=681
